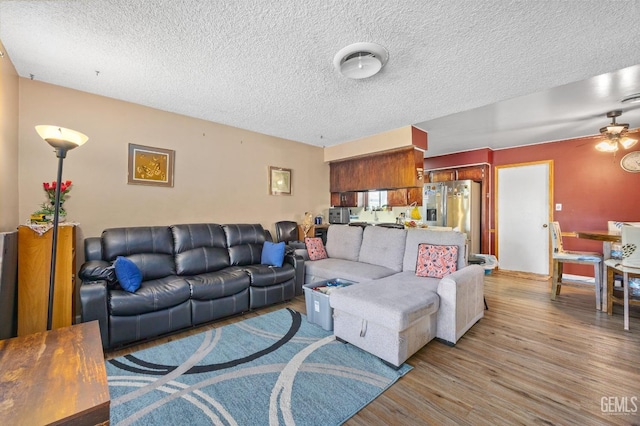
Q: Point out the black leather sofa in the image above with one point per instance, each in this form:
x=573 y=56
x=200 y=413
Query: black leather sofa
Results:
x=191 y=274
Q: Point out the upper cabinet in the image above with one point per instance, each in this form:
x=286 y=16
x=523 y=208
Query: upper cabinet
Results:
x=346 y=199
x=404 y=197
x=389 y=170
x=475 y=173
x=442 y=175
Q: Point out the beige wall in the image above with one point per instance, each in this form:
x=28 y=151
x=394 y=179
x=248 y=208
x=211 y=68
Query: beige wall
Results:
x=397 y=138
x=9 y=218
x=221 y=172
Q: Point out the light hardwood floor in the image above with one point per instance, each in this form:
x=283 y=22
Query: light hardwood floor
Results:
x=530 y=360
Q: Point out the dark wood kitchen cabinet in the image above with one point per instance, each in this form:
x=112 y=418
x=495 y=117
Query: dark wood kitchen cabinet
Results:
x=442 y=175
x=475 y=173
x=401 y=168
x=404 y=197
x=346 y=199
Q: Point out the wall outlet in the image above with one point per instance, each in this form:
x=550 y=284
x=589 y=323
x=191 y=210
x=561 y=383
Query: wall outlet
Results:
x=558 y=207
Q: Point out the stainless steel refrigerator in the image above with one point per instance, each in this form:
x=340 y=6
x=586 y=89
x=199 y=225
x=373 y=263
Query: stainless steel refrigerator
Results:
x=455 y=204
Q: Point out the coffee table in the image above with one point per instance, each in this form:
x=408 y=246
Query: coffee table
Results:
x=55 y=376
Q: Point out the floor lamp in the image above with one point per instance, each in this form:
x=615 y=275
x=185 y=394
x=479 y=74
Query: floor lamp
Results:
x=62 y=140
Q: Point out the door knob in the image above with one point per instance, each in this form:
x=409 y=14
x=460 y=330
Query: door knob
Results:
x=545 y=225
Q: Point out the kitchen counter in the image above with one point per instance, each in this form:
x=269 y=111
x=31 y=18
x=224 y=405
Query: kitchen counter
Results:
x=383 y=224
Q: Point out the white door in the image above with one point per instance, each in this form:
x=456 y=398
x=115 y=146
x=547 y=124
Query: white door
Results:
x=523 y=211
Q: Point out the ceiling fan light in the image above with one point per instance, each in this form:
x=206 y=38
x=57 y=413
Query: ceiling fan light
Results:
x=607 y=146
x=616 y=129
x=628 y=142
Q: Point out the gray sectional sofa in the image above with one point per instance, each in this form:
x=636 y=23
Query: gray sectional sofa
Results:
x=191 y=274
x=391 y=312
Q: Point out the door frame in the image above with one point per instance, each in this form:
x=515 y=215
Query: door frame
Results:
x=496 y=169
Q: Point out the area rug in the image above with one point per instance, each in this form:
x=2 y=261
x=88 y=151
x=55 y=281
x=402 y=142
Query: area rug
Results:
x=273 y=369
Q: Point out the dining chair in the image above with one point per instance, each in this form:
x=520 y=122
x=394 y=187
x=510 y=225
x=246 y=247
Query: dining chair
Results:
x=628 y=266
x=561 y=256
x=616 y=248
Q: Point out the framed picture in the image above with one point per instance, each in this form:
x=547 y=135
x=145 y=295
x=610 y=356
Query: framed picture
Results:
x=150 y=166
x=279 y=181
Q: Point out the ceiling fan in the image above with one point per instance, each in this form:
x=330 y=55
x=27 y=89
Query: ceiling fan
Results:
x=615 y=135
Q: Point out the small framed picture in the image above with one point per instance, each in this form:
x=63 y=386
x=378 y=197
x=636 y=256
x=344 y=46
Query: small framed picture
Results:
x=279 y=181
x=150 y=166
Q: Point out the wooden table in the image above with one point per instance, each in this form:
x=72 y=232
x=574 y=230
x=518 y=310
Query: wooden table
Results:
x=54 y=377
x=607 y=237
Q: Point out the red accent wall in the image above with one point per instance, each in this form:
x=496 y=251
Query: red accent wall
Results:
x=478 y=156
x=590 y=185
x=419 y=138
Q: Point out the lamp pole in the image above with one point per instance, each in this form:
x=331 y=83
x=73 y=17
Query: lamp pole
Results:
x=62 y=140
x=61 y=153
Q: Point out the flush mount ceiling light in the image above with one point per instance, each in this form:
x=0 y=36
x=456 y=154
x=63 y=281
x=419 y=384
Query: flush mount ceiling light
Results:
x=614 y=135
x=361 y=60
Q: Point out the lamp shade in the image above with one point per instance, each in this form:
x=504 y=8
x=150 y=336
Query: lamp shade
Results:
x=628 y=142
x=607 y=146
x=60 y=137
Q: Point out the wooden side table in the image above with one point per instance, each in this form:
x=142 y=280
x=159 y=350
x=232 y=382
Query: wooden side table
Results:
x=54 y=377
x=34 y=263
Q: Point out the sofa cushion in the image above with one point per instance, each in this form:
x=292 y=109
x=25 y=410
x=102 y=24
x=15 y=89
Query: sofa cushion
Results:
x=394 y=306
x=315 y=248
x=129 y=276
x=272 y=254
x=344 y=241
x=218 y=284
x=436 y=261
x=383 y=246
x=153 y=295
x=245 y=243
x=134 y=240
x=339 y=268
x=265 y=275
x=410 y=277
x=416 y=236
x=149 y=247
x=200 y=248
x=154 y=265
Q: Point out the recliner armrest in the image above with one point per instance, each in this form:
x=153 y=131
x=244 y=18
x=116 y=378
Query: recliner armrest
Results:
x=298 y=264
x=93 y=301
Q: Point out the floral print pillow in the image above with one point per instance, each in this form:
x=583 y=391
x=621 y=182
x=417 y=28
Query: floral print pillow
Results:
x=436 y=261
x=315 y=248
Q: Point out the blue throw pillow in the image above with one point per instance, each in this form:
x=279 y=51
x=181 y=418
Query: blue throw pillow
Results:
x=129 y=276
x=273 y=253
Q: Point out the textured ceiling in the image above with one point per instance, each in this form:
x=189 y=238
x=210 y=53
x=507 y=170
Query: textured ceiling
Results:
x=470 y=73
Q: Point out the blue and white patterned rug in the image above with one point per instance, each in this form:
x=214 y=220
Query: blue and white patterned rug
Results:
x=273 y=369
